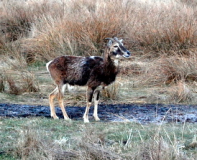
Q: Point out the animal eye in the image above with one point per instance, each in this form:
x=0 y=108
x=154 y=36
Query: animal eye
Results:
x=115 y=46
x=114 y=53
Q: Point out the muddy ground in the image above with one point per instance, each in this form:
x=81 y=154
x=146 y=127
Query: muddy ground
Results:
x=140 y=113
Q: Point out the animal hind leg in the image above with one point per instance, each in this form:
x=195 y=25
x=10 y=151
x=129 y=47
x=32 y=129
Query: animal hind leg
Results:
x=52 y=95
x=96 y=101
x=61 y=101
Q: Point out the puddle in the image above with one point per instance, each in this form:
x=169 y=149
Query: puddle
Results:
x=140 y=113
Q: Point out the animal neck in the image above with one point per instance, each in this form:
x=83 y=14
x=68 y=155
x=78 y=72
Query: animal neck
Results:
x=107 y=58
x=109 y=64
x=106 y=54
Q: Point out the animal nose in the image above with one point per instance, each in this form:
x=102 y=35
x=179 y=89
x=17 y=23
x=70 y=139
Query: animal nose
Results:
x=127 y=54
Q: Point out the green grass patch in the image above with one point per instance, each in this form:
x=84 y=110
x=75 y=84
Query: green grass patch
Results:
x=44 y=138
x=37 y=64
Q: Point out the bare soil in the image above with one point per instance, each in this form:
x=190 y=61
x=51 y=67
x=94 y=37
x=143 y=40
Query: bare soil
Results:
x=140 y=113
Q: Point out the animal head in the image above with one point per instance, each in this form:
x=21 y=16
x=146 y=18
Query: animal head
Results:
x=116 y=48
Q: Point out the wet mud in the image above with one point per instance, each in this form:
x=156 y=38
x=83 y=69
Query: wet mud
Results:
x=140 y=113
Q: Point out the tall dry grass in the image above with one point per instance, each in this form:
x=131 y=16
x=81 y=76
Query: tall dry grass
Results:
x=165 y=26
x=52 y=28
x=15 y=75
x=168 y=70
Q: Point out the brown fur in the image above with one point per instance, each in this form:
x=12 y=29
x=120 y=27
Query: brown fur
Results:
x=90 y=71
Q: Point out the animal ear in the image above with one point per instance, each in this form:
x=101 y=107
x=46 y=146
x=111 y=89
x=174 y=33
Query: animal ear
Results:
x=109 y=43
x=121 y=40
x=116 y=39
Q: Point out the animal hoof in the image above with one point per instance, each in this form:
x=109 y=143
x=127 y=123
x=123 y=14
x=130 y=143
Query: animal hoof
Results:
x=67 y=119
x=55 y=117
x=97 y=119
x=86 y=121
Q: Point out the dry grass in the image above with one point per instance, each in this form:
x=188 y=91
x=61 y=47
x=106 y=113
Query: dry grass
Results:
x=92 y=146
x=169 y=79
x=159 y=149
x=171 y=69
x=14 y=83
x=70 y=35
x=181 y=92
x=111 y=92
x=79 y=27
x=60 y=140
x=161 y=35
x=31 y=145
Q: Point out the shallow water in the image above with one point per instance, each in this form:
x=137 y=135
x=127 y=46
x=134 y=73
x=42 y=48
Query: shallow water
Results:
x=140 y=113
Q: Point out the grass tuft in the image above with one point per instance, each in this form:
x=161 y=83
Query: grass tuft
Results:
x=60 y=140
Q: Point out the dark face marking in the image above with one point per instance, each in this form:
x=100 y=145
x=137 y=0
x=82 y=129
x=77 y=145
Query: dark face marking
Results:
x=117 y=49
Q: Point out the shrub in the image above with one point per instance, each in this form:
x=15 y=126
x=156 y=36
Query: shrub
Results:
x=181 y=92
x=24 y=82
x=167 y=70
x=16 y=21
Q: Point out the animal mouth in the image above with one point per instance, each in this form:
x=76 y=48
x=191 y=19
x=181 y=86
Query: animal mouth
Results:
x=126 y=56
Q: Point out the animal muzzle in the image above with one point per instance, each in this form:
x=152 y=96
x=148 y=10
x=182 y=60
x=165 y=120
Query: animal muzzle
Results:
x=127 y=54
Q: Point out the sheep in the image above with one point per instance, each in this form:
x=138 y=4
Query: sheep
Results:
x=92 y=71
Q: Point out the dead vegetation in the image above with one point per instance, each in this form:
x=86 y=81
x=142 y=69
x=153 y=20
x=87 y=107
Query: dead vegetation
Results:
x=159 y=150
x=60 y=140
x=31 y=145
x=21 y=84
x=170 y=70
x=161 y=35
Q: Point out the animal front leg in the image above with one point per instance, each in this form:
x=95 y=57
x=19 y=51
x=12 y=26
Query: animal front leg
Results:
x=96 y=101
x=85 y=116
x=89 y=95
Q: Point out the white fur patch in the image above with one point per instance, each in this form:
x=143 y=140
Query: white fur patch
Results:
x=72 y=89
x=118 y=56
x=116 y=62
x=92 y=57
x=63 y=88
x=47 y=65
